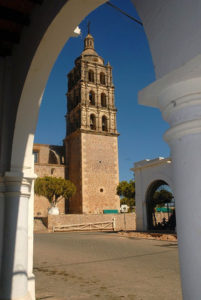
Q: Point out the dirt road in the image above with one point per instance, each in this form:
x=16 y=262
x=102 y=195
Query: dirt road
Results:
x=105 y=266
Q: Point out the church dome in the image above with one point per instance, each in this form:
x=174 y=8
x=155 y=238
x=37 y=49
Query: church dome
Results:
x=89 y=52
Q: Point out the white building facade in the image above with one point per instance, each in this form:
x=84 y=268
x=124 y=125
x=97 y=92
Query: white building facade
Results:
x=147 y=173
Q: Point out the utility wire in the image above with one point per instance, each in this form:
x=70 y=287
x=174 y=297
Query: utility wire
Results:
x=124 y=13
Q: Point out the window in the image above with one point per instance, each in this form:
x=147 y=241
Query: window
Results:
x=91 y=76
x=76 y=97
x=93 y=122
x=102 y=78
x=70 y=80
x=52 y=158
x=104 y=123
x=103 y=100
x=36 y=155
x=92 y=98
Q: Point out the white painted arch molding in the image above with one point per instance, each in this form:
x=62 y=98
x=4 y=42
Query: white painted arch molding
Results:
x=60 y=29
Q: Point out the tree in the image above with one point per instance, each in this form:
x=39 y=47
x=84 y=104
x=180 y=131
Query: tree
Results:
x=54 y=189
x=159 y=199
x=126 y=190
x=162 y=197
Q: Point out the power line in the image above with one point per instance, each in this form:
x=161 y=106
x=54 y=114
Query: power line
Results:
x=124 y=13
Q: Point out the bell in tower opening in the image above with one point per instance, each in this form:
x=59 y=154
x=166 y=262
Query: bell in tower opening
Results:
x=91 y=134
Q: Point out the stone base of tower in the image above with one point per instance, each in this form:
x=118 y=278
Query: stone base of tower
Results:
x=100 y=173
x=73 y=146
x=93 y=167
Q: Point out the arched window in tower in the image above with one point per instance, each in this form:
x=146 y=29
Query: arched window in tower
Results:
x=70 y=81
x=104 y=123
x=76 y=97
x=103 y=100
x=93 y=122
x=102 y=78
x=91 y=76
x=92 y=97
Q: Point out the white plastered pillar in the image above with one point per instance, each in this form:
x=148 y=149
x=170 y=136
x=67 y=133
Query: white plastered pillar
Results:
x=180 y=104
x=15 y=267
x=32 y=69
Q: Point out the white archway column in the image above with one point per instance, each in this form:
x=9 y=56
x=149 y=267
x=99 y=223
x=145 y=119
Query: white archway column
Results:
x=180 y=104
x=15 y=266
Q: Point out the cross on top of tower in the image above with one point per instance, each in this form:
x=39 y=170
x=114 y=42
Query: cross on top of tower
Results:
x=89 y=40
x=88 y=26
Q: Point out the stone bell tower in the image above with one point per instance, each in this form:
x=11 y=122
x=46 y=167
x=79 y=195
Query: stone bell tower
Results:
x=91 y=134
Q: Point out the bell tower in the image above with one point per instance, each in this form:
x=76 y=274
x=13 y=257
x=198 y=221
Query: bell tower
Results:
x=91 y=133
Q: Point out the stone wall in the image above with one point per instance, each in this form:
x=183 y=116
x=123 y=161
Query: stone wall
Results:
x=83 y=219
x=74 y=170
x=41 y=205
x=49 y=170
x=70 y=219
x=100 y=174
x=161 y=215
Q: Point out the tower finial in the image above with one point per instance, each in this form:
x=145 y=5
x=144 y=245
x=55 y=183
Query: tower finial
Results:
x=88 y=26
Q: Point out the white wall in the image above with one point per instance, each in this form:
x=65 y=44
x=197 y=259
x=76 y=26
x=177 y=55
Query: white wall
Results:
x=173 y=29
x=146 y=172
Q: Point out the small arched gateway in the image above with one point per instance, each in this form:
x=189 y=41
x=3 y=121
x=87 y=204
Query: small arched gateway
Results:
x=160 y=207
x=149 y=176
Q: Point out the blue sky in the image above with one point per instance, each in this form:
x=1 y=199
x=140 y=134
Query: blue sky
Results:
x=123 y=43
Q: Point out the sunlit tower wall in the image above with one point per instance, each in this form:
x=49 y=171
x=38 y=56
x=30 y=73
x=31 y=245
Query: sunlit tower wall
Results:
x=91 y=134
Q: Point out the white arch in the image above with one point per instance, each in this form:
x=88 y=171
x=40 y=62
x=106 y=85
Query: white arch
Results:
x=47 y=51
x=147 y=172
x=163 y=176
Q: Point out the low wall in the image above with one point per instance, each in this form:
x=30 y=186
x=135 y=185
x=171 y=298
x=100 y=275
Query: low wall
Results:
x=83 y=219
x=41 y=205
x=161 y=215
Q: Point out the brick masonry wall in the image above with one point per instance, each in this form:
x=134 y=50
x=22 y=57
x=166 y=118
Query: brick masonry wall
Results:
x=49 y=170
x=83 y=219
x=41 y=205
x=161 y=215
x=100 y=174
x=43 y=152
x=73 y=158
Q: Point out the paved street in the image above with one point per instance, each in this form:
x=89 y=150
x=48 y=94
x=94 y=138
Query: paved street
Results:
x=105 y=266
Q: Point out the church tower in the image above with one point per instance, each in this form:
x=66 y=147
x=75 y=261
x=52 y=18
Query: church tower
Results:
x=91 y=134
